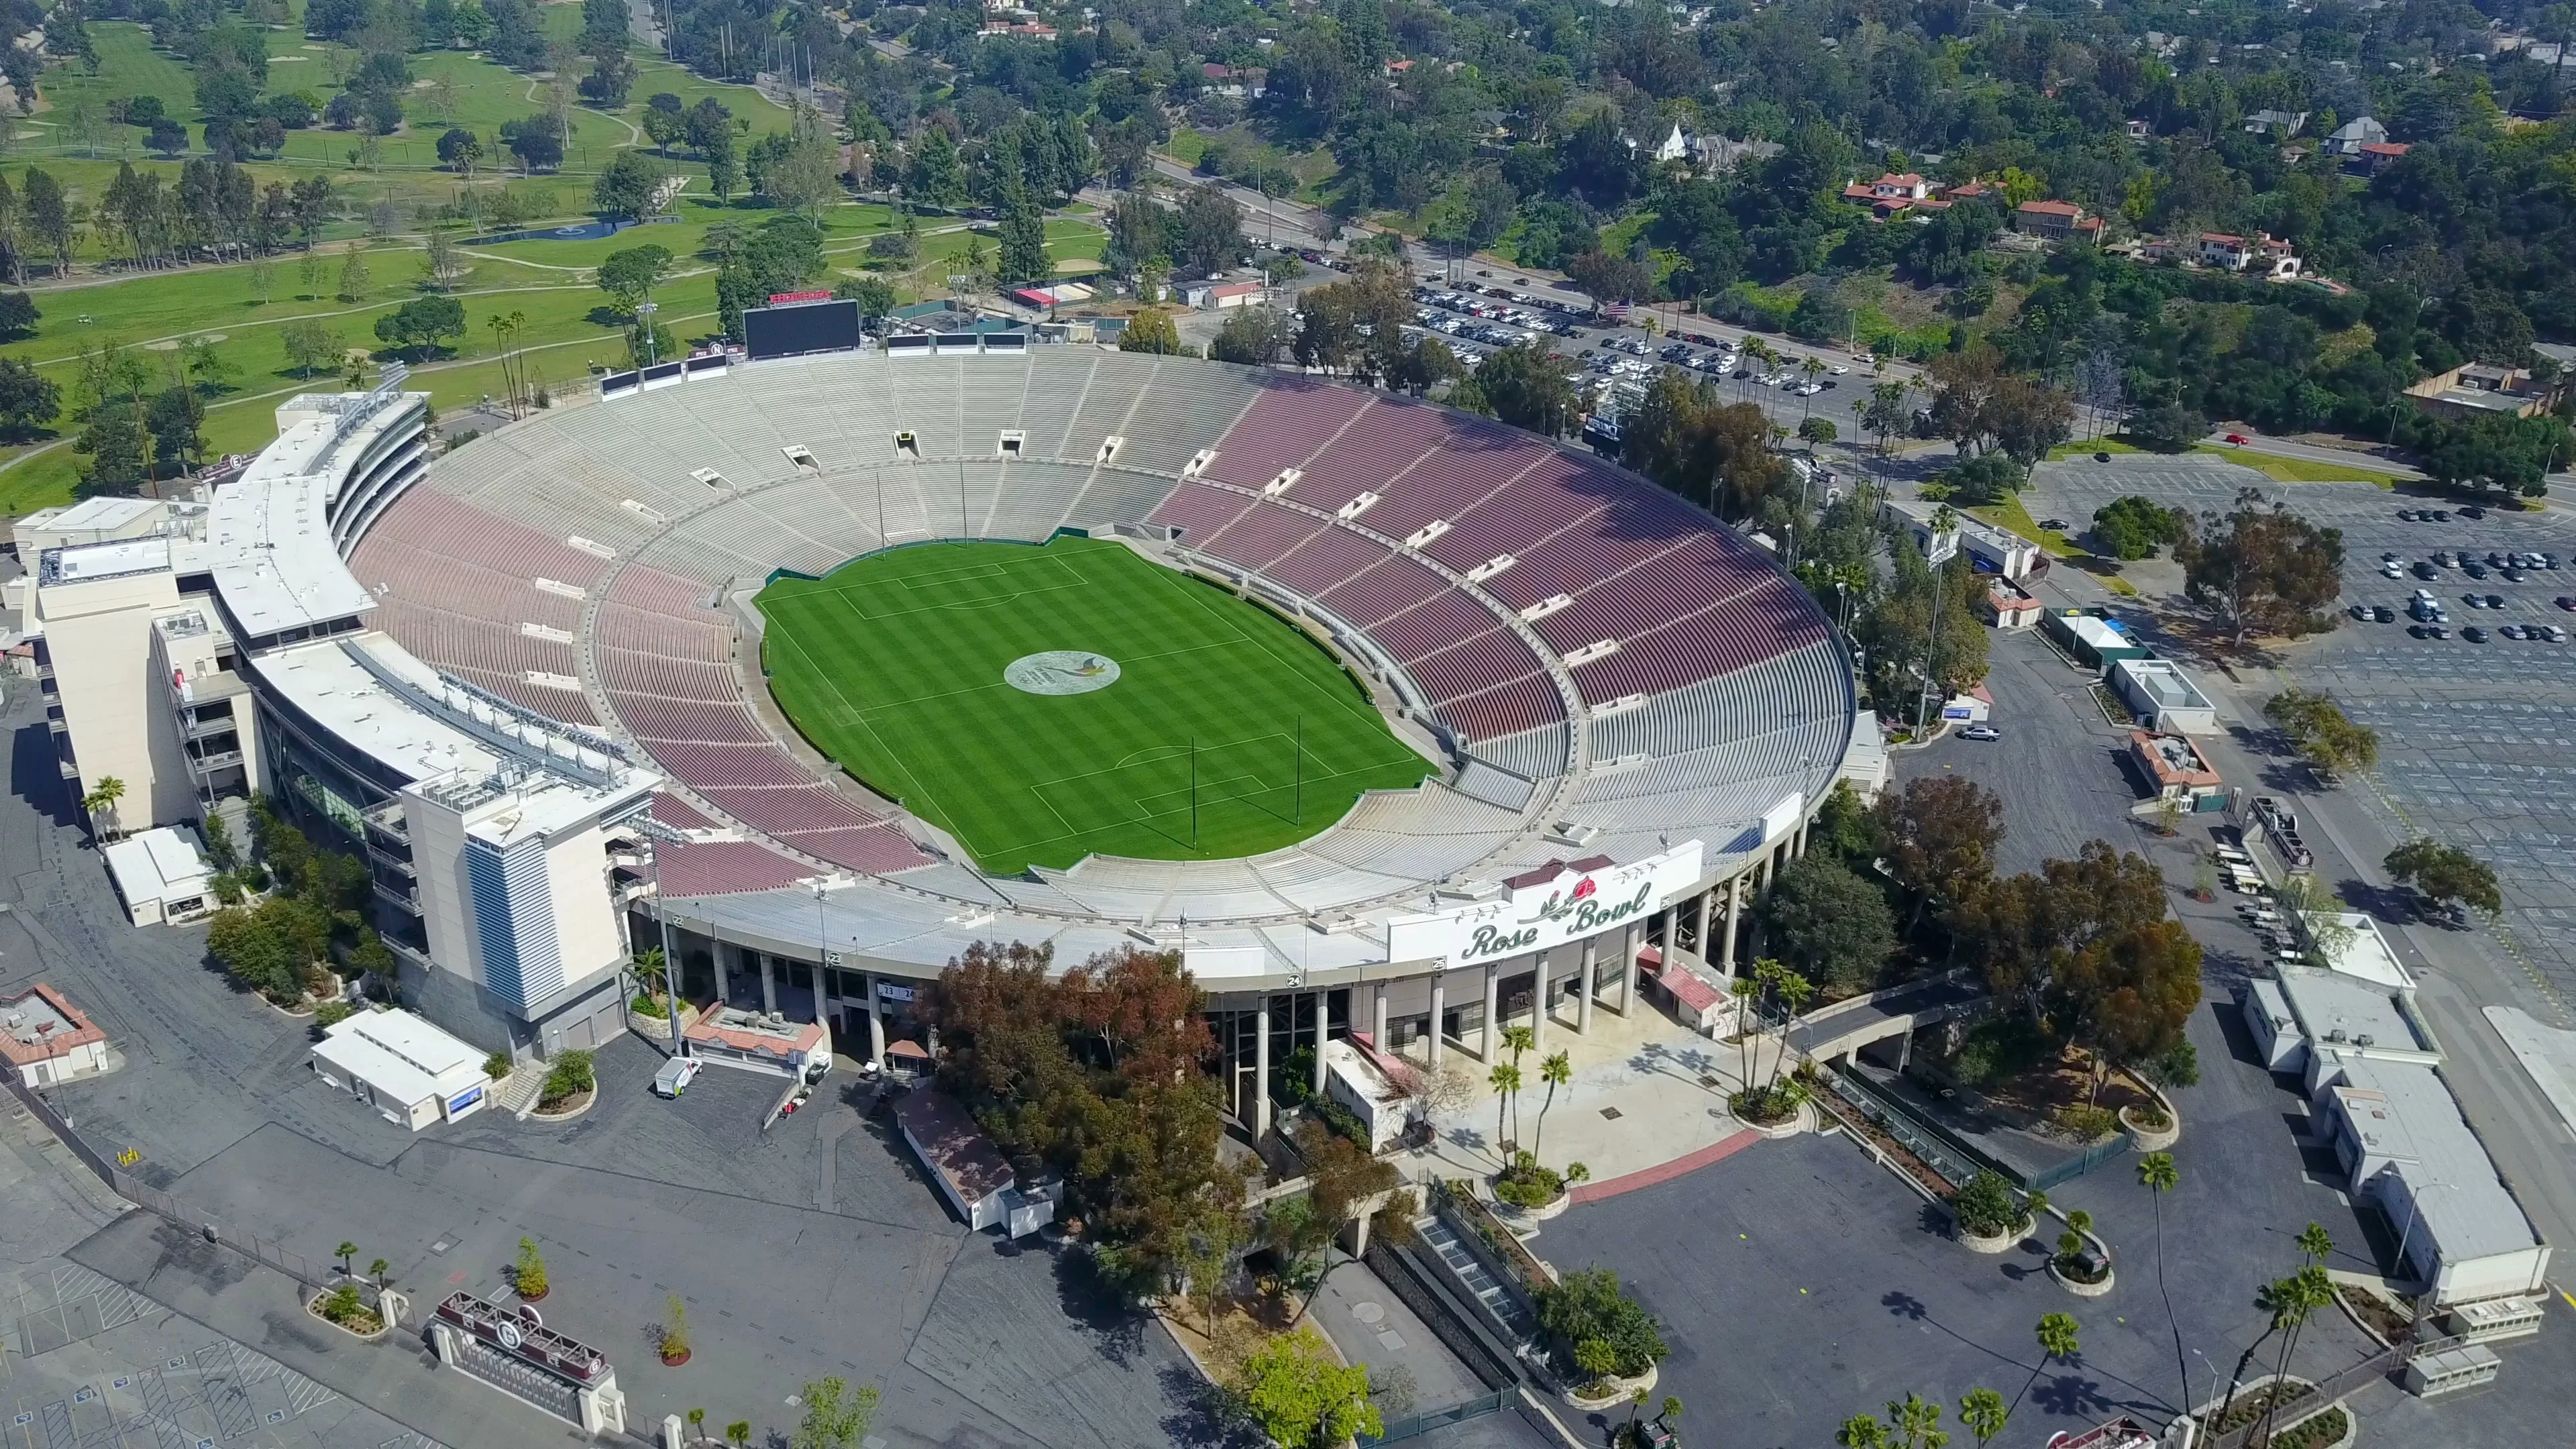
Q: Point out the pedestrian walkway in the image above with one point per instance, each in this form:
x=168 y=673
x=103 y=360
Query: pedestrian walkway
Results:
x=1646 y=1090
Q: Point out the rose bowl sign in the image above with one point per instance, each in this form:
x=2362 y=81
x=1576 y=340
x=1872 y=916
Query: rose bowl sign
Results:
x=1546 y=913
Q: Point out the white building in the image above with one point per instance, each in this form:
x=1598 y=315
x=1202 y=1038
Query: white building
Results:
x=162 y=876
x=1995 y=550
x=2164 y=696
x=970 y=1171
x=1367 y=1083
x=412 y=1073
x=2372 y=1072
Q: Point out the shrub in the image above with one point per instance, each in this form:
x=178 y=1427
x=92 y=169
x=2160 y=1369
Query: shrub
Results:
x=675 y=1329
x=2177 y=1068
x=1767 y=1106
x=529 y=1274
x=2153 y=1117
x=1341 y=1119
x=647 y=1004
x=2084 y=1123
x=1590 y=1305
x=1526 y=1184
x=1986 y=1207
x=571 y=1075
x=497 y=1065
x=332 y=1012
x=343 y=1304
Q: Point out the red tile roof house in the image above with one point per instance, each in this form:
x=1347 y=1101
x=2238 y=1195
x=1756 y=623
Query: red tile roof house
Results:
x=2223 y=249
x=49 y=1040
x=1890 y=194
x=970 y=1171
x=2056 y=221
x=1702 y=1006
x=2378 y=156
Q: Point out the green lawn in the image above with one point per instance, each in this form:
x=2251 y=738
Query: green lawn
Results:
x=894 y=666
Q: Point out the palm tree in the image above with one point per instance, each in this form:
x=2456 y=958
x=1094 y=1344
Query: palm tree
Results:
x=1794 y=991
x=2058 y=1342
x=1556 y=1071
x=1506 y=1080
x=1861 y=1431
x=2309 y=1291
x=1813 y=368
x=101 y=801
x=1918 y=1419
x=2156 y=1170
x=347 y=1253
x=1519 y=1039
x=378 y=1269
x=1744 y=989
x=1982 y=1413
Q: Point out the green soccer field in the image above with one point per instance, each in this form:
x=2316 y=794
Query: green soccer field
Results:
x=1169 y=726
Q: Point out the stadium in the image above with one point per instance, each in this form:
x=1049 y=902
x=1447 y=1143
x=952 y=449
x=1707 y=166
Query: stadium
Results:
x=1409 y=720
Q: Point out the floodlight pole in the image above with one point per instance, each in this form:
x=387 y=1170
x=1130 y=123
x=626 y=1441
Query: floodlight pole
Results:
x=654 y=832
x=1300 y=817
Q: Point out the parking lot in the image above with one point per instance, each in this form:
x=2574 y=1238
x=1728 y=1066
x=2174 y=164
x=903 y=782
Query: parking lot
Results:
x=2472 y=736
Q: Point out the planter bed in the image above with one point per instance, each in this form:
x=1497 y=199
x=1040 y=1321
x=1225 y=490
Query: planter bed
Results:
x=2003 y=1242
x=1626 y=1390
x=2080 y=1288
x=571 y=1107
x=367 y=1315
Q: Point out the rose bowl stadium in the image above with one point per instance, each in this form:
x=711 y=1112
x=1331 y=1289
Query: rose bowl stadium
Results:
x=821 y=668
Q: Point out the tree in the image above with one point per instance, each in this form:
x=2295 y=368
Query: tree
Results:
x=459 y=149
x=1254 y=336
x=538 y=142
x=1557 y=1071
x=347 y=1253
x=2321 y=733
x=1829 y=922
x=874 y=295
x=1505 y=1079
x=419 y=324
x=2263 y=570
x=354 y=281
x=2157 y=1173
x=377 y=1270
x=738 y=1432
x=1861 y=1431
x=1587 y=1305
x=2442 y=874
x=1713 y=453
x=2060 y=1341
x=442 y=259
x=1527 y=388
x=1302 y=1398
x=28 y=399
x=1606 y=278
x=1024 y=259
x=1982 y=1413
x=675 y=1329
x=2134 y=527
x=176 y=418
x=936 y=177
x=836 y=1415
x=1916 y=1421
x=629 y=276
x=1941 y=833
x=2296 y=1299
x=2125 y=996
x=528 y=1275
x=1150 y=331
x=310 y=344
x=18 y=316
x=1817 y=430
x=1208 y=230
x=631 y=187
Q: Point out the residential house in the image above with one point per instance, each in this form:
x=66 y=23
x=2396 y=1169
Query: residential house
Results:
x=2280 y=124
x=1249 y=82
x=1890 y=195
x=2378 y=156
x=2137 y=130
x=1968 y=191
x=1672 y=148
x=1718 y=153
x=2348 y=138
x=2226 y=251
x=2480 y=389
x=2056 y=221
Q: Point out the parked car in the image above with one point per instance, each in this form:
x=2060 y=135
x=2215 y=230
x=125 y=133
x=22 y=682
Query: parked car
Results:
x=2495 y=601
x=2474 y=634
x=1981 y=732
x=2473 y=511
x=675 y=1076
x=2237 y=439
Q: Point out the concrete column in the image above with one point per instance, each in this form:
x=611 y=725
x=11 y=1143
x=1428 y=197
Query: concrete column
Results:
x=1799 y=851
x=1261 y=1069
x=1904 y=1052
x=1590 y=983
x=1538 y=1004
x=1377 y=1034
x=1700 y=927
x=1734 y=908
x=1323 y=1013
x=1630 y=938
x=876 y=1023
x=1493 y=1013
x=1439 y=1010
x=768 y=983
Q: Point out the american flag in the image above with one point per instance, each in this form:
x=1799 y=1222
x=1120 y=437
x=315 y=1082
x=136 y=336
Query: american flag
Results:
x=1617 y=311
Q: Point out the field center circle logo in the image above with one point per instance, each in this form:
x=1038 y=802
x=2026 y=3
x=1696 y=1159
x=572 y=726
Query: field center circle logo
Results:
x=1061 y=671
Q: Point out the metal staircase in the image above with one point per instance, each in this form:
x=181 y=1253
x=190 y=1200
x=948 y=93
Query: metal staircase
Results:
x=1500 y=1306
